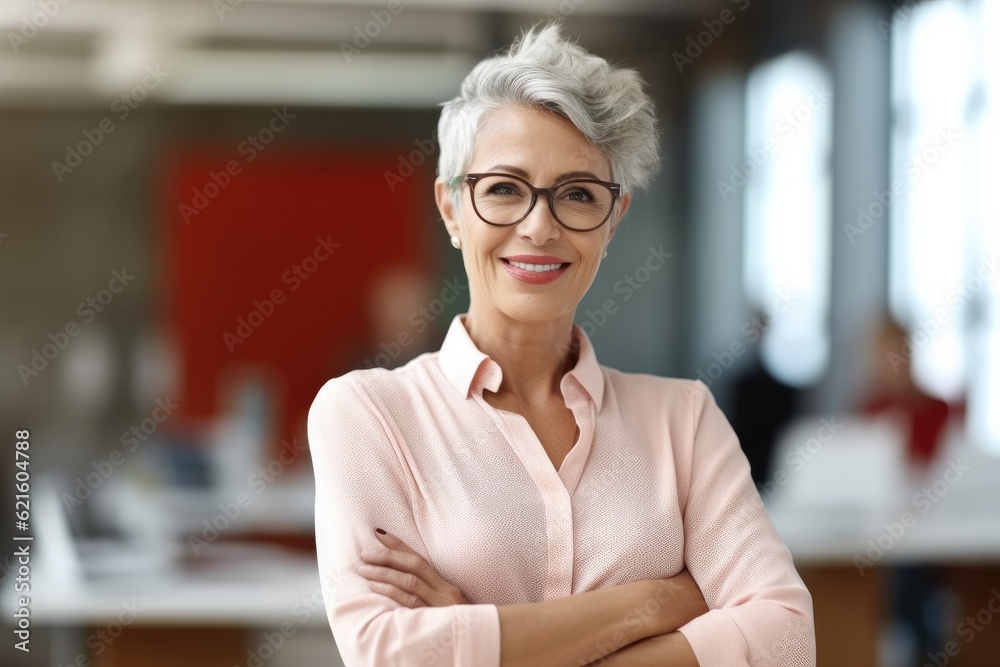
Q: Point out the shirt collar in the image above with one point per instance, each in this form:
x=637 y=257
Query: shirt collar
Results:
x=468 y=368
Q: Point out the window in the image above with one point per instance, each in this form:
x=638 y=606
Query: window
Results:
x=944 y=279
x=787 y=212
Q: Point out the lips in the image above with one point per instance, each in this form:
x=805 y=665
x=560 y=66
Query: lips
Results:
x=535 y=269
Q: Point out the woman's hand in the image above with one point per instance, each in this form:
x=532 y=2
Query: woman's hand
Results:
x=680 y=601
x=667 y=604
x=405 y=576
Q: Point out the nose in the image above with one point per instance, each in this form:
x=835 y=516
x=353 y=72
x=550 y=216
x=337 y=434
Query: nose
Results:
x=540 y=226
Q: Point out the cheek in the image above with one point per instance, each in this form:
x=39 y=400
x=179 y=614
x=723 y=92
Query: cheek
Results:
x=590 y=255
x=587 y=274
x=487 y=241
x=480 y=256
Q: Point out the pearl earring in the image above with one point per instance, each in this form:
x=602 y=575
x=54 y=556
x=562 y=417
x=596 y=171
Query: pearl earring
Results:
x=457 y=242
x=605 y=254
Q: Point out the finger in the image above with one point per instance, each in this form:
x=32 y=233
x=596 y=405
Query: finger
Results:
x=398 y=560
x=392 y=542
x=410 y=573
x=410 y=561
x=390 y=591
x=405 y=582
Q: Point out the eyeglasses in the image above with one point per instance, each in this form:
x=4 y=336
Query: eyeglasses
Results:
x=501 y=200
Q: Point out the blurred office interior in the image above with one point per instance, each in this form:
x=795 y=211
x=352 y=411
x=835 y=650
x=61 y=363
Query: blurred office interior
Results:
x=211 y=207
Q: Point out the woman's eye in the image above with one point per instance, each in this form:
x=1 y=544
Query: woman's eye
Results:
x=502 y=189
x=578 y=194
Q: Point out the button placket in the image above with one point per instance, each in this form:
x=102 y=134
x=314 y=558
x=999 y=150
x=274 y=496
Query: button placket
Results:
x=555 y=497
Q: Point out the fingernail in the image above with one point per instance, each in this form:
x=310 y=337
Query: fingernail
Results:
x=380 y=531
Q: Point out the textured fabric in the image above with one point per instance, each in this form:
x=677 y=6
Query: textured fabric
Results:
x=655 y=481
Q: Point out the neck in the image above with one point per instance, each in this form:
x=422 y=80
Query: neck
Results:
x=533 y=356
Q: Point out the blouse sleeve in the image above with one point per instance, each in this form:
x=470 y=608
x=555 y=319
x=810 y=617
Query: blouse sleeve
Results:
x=360 y=486
x=760 y=612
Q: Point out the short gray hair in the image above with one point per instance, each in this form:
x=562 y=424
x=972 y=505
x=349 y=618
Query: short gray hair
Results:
x=543 y=69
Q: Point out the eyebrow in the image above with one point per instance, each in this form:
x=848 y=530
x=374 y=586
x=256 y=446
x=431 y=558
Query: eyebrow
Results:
x=517 y=171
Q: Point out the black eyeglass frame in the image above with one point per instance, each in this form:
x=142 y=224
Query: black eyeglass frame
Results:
x=473 y=179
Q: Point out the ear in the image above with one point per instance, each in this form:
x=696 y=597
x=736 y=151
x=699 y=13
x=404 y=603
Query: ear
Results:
x=446 y=206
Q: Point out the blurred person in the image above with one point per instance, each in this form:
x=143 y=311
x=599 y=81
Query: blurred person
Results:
x=918 y=594
x=506 y=499
x=763 y=405
x=399 y=312
x=401 y=323
x=894 y=391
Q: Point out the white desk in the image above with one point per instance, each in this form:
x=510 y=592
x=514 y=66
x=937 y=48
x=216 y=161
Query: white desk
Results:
x=254 y=588
x=160 y=602
x=832 y=504
x=828 y=506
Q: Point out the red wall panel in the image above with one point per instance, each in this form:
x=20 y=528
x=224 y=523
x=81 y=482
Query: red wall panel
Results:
x=251 y=281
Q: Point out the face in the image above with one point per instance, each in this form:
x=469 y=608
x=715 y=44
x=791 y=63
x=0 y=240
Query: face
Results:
x=544 y=147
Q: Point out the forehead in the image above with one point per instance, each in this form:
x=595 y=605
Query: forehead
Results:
x=540 y=142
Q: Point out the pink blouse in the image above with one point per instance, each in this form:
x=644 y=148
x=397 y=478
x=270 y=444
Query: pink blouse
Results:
x=656 y=481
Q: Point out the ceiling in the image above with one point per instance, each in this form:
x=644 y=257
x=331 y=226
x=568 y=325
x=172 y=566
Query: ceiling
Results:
x=308 y=52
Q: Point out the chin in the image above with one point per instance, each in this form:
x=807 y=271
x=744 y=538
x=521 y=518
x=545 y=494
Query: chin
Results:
x=535 y=309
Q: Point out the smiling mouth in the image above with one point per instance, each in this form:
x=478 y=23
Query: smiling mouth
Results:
x=536 y=268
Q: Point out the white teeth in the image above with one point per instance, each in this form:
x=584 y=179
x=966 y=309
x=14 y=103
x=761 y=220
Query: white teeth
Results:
x=535 y=267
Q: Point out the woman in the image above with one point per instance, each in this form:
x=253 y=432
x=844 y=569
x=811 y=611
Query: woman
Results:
x=506 y=500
